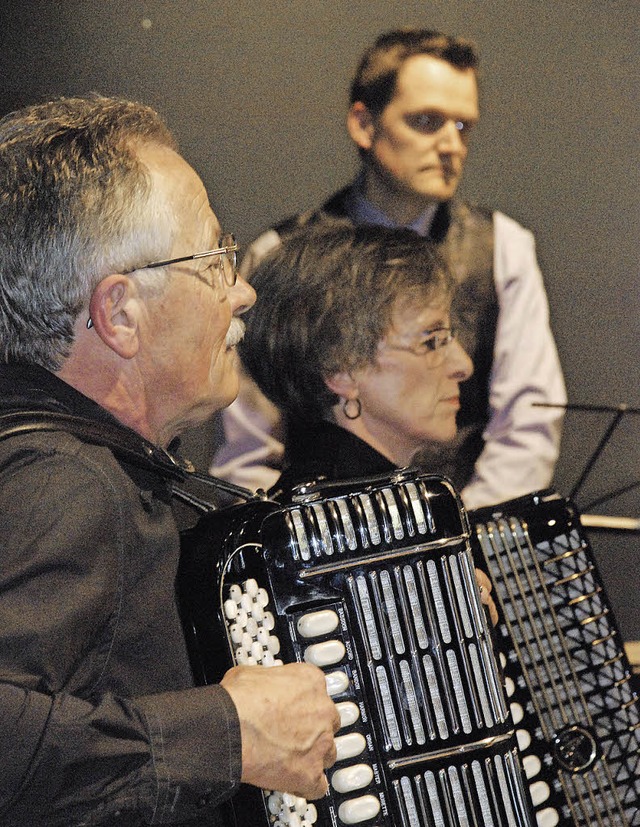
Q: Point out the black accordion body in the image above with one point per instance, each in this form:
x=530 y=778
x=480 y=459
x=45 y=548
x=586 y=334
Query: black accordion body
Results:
x=569 y=681
x=373 y=582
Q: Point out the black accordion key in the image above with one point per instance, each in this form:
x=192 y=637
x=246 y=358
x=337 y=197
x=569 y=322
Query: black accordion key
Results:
x=373 y=581
x=576 y=712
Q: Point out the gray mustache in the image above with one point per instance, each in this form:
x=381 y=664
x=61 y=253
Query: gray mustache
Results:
x=235 y=332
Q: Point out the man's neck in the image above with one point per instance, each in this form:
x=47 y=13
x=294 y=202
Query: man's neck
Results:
x=400 y=206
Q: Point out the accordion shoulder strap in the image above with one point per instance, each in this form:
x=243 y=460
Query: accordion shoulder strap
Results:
x=124 y=444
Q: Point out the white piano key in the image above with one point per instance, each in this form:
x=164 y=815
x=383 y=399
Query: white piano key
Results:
x=352 y=778
x=359 y=809
x=327 y=653
x=316 y=624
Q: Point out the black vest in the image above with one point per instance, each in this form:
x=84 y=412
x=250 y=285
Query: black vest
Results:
x=464 y=236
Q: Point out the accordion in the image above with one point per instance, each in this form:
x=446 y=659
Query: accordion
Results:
x=569 y=681
x=373 y=581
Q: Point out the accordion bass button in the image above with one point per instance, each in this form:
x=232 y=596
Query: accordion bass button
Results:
x=327 y=653
x=549 y=817
x=348 y=746
x=337 y=683
x=316 y=624
x=524 y=739
x=531 y=765
x=348 y=712
x=359 y=809
x=352 y=778
x=517 y=713
x=539 y=792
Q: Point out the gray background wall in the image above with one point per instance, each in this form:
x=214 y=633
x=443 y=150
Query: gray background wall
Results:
x=256 y=93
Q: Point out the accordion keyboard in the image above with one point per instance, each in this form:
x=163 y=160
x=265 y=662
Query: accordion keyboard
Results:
x=376 y=587
x=577 y=715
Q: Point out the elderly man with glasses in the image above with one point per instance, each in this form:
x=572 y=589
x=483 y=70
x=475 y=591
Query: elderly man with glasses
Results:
x=118 y=333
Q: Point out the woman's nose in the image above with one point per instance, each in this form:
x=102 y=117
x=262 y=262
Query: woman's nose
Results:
x=459 y=362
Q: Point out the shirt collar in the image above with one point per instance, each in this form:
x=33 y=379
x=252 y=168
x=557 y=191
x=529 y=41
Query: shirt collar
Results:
x=363 y=211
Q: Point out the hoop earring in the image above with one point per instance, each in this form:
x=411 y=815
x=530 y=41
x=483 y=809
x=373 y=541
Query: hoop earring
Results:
x=358 y=410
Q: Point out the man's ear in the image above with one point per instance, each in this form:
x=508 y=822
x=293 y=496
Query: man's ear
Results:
x=342 y=384
x=114 y=310
x=360 y=125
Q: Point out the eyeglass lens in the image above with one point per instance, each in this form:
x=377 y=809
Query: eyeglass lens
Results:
x=229 y=260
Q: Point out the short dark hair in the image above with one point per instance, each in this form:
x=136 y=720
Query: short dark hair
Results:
x=375 y=80
x=325 y=300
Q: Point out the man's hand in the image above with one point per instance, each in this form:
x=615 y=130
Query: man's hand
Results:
x=287 y=723
x=485 y=595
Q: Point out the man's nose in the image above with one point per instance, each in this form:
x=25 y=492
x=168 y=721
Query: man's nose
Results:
x=242 y=296
x=450 y=138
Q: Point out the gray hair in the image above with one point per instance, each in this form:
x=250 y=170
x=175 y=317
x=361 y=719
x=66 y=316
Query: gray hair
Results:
x=76 y=204
x=326 y=298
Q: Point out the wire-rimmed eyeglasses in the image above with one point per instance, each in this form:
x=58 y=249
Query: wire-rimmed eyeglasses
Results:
x=227 y=249
x=432 y=343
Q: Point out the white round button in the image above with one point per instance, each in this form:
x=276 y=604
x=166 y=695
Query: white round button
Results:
x=337 y=683
x=352 y=778
x=316 y=624
x=327 y=653
x=348 y=712
x=359 y=809
x=350 y=745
